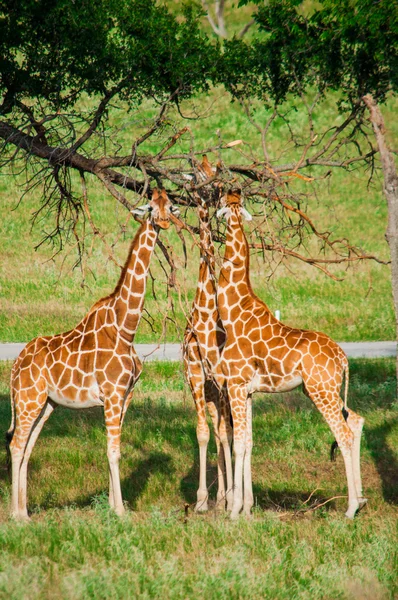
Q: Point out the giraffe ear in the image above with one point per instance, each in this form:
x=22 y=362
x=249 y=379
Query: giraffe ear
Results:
x=141 y=211
x=223 y=211
x=175 y=210
x=246 y=214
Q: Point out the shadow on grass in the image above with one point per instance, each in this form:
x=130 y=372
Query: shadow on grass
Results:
x=176 y=428
x=290 y=500
x=134 y=485
x=384 y=458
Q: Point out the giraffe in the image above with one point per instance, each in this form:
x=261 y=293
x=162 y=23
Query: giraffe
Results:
x=263 y=354
x=94 y=364
x=201 y=350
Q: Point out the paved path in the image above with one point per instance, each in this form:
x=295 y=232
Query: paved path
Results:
x=173 y=351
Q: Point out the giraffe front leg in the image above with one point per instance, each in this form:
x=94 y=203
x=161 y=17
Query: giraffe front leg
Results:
x=202 y=495
x=237 y=398
x=113 y=411
x=111 y=492
x=226 y=433
x=34 y=434
x=197 y=385
x=28 y=424
x=214 y=410
x=111 y=495
x=247 y=474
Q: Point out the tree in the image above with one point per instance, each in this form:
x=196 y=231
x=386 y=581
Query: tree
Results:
x=349 y=47
x=56 y=55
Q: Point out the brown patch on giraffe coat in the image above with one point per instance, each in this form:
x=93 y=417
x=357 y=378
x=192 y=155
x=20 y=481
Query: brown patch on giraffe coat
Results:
x=88 y=342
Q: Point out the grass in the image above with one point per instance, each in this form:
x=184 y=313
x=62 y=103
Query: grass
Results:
x=41 y=295
x=76 y=548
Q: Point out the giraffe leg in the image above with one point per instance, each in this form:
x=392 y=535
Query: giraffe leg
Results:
x=27 y=428
x=111 y=492
x=238 y=399
x=113 y=410
x=247 y=474
x=330 y=405
x=213 y=406
x=225 y=431
x=355 y=423
x=34 y=434
x=197 y=385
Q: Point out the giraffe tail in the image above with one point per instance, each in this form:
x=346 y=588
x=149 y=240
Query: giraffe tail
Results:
x=344 y=410
x=347 y=380
x=10 y=432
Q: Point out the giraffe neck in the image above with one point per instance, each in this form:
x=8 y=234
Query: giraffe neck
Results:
x=128 y=296
x=234 y=287
x=205 y=297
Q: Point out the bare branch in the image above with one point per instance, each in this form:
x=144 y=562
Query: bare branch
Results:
x=246 y=28
x=219 y=27
x=94 y=228
x=97 y=116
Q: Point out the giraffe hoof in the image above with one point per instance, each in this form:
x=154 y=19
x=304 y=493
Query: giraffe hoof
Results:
x=201 y=506
x=120 y=512
x=362 y=502
x=351 y=512
x=21 y=518
x=235 y=515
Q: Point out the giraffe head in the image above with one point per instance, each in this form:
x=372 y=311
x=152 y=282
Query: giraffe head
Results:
x=159 y=209
x=232 y=203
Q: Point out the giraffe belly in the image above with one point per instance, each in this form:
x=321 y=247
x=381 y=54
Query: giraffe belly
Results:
x=272 y=384
x=86 y=398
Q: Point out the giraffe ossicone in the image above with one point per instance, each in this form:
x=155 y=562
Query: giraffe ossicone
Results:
x=262 y=354
x=94 y=364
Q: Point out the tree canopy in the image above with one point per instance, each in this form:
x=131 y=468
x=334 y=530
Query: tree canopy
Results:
x=57 y=51
x=348 y=46
x=56 y=54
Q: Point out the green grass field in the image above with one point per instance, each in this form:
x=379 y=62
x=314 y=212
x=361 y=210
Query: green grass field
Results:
x=41 y=295
x=76 y=548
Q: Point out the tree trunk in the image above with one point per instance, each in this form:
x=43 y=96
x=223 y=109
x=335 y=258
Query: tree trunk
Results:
x=391 y=192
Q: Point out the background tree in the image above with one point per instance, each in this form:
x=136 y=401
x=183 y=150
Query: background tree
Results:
x=349 y=47
x=72 y=74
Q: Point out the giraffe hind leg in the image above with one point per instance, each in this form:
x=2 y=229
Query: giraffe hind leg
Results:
x=334 y=446
x=218 y=407
x=226 y=434
x=329 y=404
x=356 y=423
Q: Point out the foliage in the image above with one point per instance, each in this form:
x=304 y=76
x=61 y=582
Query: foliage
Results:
x=58 y=51
x=73 y=76
x=348 y=46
